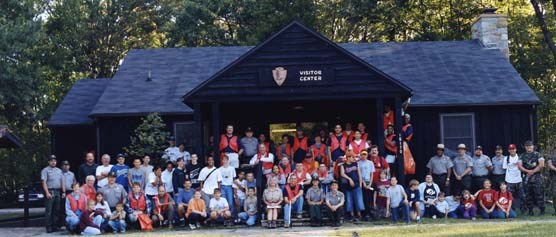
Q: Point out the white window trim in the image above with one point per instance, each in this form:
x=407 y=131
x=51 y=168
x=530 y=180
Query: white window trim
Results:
x=442 y=115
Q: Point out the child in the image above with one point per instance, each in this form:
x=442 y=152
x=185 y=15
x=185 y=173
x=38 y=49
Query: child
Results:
x=397 y=201
x=136 y=174
x=453 y=205
x=314 y=198
x=487 y=201
x=121 y=170
x=240 y=185
x=325 y=178
x=196 y=210
x=414 y=198
x=251 y=181
x=117 y=219
x=380 y=196
x=504 y=202
x=249 y=216
x=86 y=224
x=468 y=205
x=219 y=208
x=442 y=206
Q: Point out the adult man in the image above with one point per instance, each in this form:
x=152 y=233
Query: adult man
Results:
x=88 y=168
x=210 y=179
x=531 y=164
x=262 y=156
x=166 y=177
x=163 y=208
x=103 y=170
x=248 y=145
x=407 y=129
x=302 y=176
x=440 y=167
x=367 y=168
x=69 y=180
x=229 y=145
x=121 y=170
x=284 y=149
x=185 y=194
x=54 y=189
x=192 y=171
x=113 y=192
x=293 y=199
x=178 y=176
x=335 y=203
x=262 y=140
x=172 y=152
x=319 y=151
x=462 y=165
x=498 y=172
x=310 y=165
x=228 y=174
x=146 y=166
x=300 y=145
x=358 y=145
x=337 y=144
x=552 y=168
x=391 y=149
x=379 y=163
x=481 y=167
x=137 y=203
x=513 y=178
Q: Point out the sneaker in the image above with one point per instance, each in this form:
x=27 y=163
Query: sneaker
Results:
x=191 y=226
x=198 y=225
x=473 y=218
x=355 y=219
x=299 y=216
x=417 y=219
x=434 y=217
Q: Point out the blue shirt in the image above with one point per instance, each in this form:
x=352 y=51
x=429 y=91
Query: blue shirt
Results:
x=121 y=174
x=367 y=167
x=185 y=196
x=252 y=184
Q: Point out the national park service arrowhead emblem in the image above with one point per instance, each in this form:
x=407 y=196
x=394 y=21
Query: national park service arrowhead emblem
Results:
x=279 y=74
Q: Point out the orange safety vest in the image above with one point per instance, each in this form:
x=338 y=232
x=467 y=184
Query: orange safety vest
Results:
x=266 y=165
x=388 y=146
x=159 y=208
x=138 y=204
x=310 y=167
x=350 y=136
x=300 y=144
x=320 y=152
x=364 y=137
x=335 y=143
x=77 y=204
x=89 y=192
x=404 y=128
x=231 y=142
x=279 y=154
x=358 y=148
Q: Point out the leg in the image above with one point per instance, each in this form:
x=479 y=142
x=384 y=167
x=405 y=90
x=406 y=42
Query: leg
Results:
x=243 y=216
x=539 y=192
x=72 y=222
x=358 y=195
x=251 y=220
x=206 y=199
x=132 y=217
x=48 y=208
x=123 y=226
x=114 y=226
x=98 y=220
x=90 y=231
x=299 y=206
x=56 y=196
x=466 y=182
x=395 y=212
x=349 y=201
x=287 y=214
x=473 y=211
x=269 y=214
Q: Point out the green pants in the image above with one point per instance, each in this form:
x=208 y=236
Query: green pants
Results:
x=315 y=213
x=52 y=209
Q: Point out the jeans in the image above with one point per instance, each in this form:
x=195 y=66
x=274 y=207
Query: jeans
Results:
x=194 y=218
x=72 y=222
x=296 y=207
x=315 y=213
x=368 y=201
x=98 y=220
x=52 y=209
x=485 y=215
x=117 y=225
x=354 y=197
x=395 y=211
x=228 y=194
x=206 y=198
x=502 y=215
x=91 y=231
x=248 y=219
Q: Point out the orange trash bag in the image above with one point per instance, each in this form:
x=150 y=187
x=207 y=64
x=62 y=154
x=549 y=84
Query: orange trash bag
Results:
x=145 y=222
x=408 y=161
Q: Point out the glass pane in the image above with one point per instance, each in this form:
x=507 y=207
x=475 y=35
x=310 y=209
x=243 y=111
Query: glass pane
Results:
x=184 y=134
x=457 y=126
x=452 y=143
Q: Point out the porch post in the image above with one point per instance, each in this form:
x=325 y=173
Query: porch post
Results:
x=198 y=133
x=379 y=126
x=216 y=131
x=399 y=142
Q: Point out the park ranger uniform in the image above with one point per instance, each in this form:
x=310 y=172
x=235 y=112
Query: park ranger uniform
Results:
x=479 y=171
x=439 y=166
x=534 y=188
x=460 y=164
x=498 y=172
x=53 y=178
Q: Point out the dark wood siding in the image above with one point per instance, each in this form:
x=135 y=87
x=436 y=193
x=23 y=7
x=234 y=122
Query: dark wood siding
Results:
x=72 y=142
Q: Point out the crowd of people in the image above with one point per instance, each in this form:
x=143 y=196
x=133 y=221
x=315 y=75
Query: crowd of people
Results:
x=340 y=176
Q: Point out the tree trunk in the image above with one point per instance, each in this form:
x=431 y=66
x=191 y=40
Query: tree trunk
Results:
x=542 y=24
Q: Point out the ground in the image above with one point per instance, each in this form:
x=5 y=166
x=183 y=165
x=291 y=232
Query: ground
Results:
x=538 y=226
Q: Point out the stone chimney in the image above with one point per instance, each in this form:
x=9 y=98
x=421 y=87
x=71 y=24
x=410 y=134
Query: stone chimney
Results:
x=491 y=29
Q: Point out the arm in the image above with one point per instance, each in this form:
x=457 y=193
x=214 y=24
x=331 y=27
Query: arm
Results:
x=45 y=189
x=343 y=174
x=551 y=166
x=129 y=179
x=341 y=203
x=254 y=160
x=359 y=175
x=466 y=171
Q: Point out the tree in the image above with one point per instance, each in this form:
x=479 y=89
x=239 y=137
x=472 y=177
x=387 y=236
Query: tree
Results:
x=149 y=139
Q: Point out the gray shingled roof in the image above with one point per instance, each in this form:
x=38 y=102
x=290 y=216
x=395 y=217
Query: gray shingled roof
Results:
x=79 y=102
x=440 y=73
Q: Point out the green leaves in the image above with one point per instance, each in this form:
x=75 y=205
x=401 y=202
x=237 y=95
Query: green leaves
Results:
x=149 y=139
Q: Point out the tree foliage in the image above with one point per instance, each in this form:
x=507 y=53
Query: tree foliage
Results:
x=149 y=139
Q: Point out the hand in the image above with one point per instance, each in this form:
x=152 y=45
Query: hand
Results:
x=63 y=194
x=351 y=183
x=447 y=183
x=458 y=177
x=48 y=195
x=405 y=202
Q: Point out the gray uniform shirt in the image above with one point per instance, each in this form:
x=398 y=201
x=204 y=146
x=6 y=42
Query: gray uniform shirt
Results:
x=69 y=179
x=52 y=176
x=480 y=165
x=497 y=165
x=334 y=199
x=113 y=194
x=249 y=146
x=461 y=163
x=440 y=164
x=314 y=195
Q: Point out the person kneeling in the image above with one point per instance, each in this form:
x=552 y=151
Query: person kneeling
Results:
x=196 y=210
x=486 y=197
x=117 y=219
x=504 y=201
x=137 y=204
x=75 y=205
x=163 y=208
x=86 y=224
x=219 y=209
x=397 y=201
x=314 y=198
x=335 y=204
x=250 y=207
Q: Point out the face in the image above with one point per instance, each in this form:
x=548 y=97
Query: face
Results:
x=187 y=184
x=121 y=160
x=299 y=166
x=99 y=197
x=161 y=191
x=225 y=160
x=120 y=208
x=136 y=188
x=487 y=184
x=461 y=152
x=210 y=161
x=338 y=129
x=65 y=167
x=512 y=151
x=249 y=134
x=90 y=181
x=361 y=127
x=374 y=152
x=262 y=148
x=293 y=181
x=529 y=148
x=441 y=198
x=251 y=192
x=334 y=187
x=275 y=169
x=357 y=135
x=90 y=157
x=194 y=158
x=182 y=147
x=91 y=205
x=181 y=163
x=250 y=177
x=348 y=126
x=439 y=152
x=197 y=195
x=364 y=156
x=315 y=183
x=503 y=186
x=322 y=168
x=105 y=159
x=393 y=181
x=217 y=195
x=169 y=166
x=241 y=175
x=158 y=172
x=285 y=140
x=229 y=129
x=428 y=178
x=390 y=129
x=262 y=138
x=382 y=175
x=299 y=133
x=171 y=142
x=317 y=139
x=137 y=163
x=111 y=179
x=478 y=152
x=272 y=182
x=498 y=152
x=285 y=161
x=146 y=160
x=75 y=187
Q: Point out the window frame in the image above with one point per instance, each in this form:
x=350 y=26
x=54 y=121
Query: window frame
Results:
x=473 y=134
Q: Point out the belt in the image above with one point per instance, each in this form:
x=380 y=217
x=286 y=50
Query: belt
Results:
x=498 y=174
x=439 y=174
x=480 y=176
x=55 y=189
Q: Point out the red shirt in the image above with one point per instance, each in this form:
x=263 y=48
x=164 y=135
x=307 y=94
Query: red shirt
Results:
x=488 y=197
x=504 y=199
x=468 y=203
x=380 y=164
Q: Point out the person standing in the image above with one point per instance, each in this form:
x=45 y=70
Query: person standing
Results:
x=228 y=174
x=552 y=168
x=337 y=144
x=167 y=176
x=248 y=147
x=388 y=117
x=462 y=171
x=531 y=163
x=320 y=152
x=300 y=146
x=184 y=154
x=262 y=140
x=136 y=174
x=348 y=132
x=265 y=158
x=121 y=170
x=407 y=128
x=192 y=171
x=146 y=165
x=440 y=167
x=498 y=172
x=172 y=152
x=154 y=180
x=513 y=178
x=352 y=182
x=178 y=176
x=102 y=171
x=379 y=162
x=284 y=149
x=481 y=167
x=87 y=168
x=229 y=145
x=113 y=192
x=358 y=145
x=364 y=135
x=391 y=149
x=210 y=179
x=54 y=189
x=367 y=168
x=69 y=180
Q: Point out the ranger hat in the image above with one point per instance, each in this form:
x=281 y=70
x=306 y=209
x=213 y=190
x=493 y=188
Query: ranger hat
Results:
x=65 y=162
x=462 y=146
x=479 y=148
x=440 y=146
x=498 y=147
x=51 y=157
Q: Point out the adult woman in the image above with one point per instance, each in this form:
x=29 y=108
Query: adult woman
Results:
x=281 y=178
x=273 y=198
x=352 y=183
x=102 y=211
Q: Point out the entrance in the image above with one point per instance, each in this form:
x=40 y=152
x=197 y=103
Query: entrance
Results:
x=277 y=130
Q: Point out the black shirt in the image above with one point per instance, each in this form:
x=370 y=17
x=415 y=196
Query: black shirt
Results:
x=192 y=173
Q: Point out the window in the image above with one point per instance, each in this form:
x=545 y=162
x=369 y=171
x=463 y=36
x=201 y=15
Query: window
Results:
x=456 y=129
x=184 y=133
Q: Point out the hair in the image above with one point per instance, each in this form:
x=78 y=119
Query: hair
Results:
x=99 y=194
x=217 y=190
x=333 y=182
x=251 y=188
x=243 y=171
x=73 y=184
x=187 y=180
x=465 y=192
x=441 y=194
x=504 y=183
x=91 y=202
x=374 y=147
x=250 y=173
x=120 y=204
x=136 y=184
x=156 y=167
x=90 y=177
x=224 y=156
x=413 y=182
x=384 y=171
x=285 y=135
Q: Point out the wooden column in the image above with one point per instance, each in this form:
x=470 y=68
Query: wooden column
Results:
x=379 y=126
x=198 y=133
x=215 y=123
x=399 y=142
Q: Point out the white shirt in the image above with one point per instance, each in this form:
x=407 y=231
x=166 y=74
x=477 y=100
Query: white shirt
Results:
x=167 y=180
x=151 y=189
x=210 y=183
x=268 y=158
x=243 y=184
x=171 y=153
x=186 y=156
x=103 y=169
x=359 y=143
x=228 y=175
x=513 y=174
x=218 y=204
x=105 y=208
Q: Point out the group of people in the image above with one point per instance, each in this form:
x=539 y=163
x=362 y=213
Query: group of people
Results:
x=342 y=176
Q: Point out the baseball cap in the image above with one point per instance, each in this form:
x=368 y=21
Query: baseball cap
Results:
x=65 y=162
x=120 y=155
x=407 y=115
x=248 y=129
x=528 y=143
x=364 y=153
x=112 y=174
x=511 y=147
x=170 y=138
x=479 y=148
x=51 y=157
x=462 y=146
x=308 y=155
